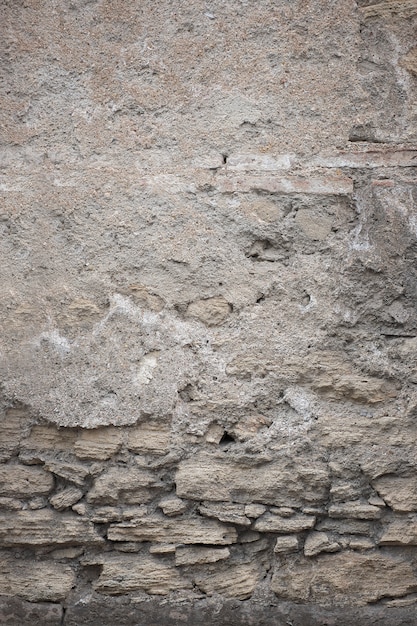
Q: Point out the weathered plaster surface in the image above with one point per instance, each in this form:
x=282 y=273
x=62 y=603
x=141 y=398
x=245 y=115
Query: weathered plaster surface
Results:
x=208 y=355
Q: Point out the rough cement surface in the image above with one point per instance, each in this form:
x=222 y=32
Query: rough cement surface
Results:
x=208 y=354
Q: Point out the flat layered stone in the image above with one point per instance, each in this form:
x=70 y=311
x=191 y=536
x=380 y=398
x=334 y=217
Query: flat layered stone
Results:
x=66 y=498
x=22 y=481
x=171 y=506
x=162 y=548
x=354 y=510
x=279 y=483
x=200 y=556
x=287 y=543
x=349 y=577
x=210 y=311
x=47 y=438
x=261 y=162
x=126 y=574
x=255 y=510
x=14 y=427
x=345 y=527
x=400 y=532
x=235 y=581
x=370 y=157
x=43 y=528
x=400 y=493
x=110 y=486
x=270 y=523
x=35 y=581
x=324 y=185
x=72 y=471
x=149 y=439
x=317 y=542
x=11 y=504
x=361 y=543
x=225 y=512
x=177 y=531
x=385 y=8
x=100 y=443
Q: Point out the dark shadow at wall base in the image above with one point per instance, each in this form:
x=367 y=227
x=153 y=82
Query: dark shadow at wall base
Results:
x=118 y=611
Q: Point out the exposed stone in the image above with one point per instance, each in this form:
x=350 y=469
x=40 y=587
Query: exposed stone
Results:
x=325 y=185
x=287 y=543
x=385 y=8
x=67 y=553
x=178 y=531
x=361 y=543
x=48 y=438
x=15 y=426
x=104 y=514
x=345 y=527
x=235 y=581
x=254 y=510
x=264 y=162
x=345 y=577
x=133 y=512
x=111 y=486
x=249 y=426
x=283 y=511
x=145 y=297
x=342 y=492
x=400 y=532
x=313 y=224
x=377 y=501
x=354 y=510
x=126 y=574
x=210 y=311
x=172 y=505
x=137 y=497
x=209 y=478
x=20 y=481
x=214 y=433
x=11 y=504
x=162 y=548
x=200 y=556
x=74 y=472
x=398 y=492
x=100 y=444
x=80 y=508
x=43 y=528
x=358 y=388
x=37 y=503
x=147 y=438
x=225 y=512
x=269 y=523
x=35 y=581
x=317 y=542
x=371 y=156
x=66 y=498
x=129 y=546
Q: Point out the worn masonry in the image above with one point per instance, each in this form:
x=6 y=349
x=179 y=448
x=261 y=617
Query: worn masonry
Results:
x=208 y=232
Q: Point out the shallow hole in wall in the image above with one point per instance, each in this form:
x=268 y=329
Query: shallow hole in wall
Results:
x=187 y=394
x=226 y=439
x=90 y=573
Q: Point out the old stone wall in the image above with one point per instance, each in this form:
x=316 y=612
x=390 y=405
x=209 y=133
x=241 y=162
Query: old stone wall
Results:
x=208 y=233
